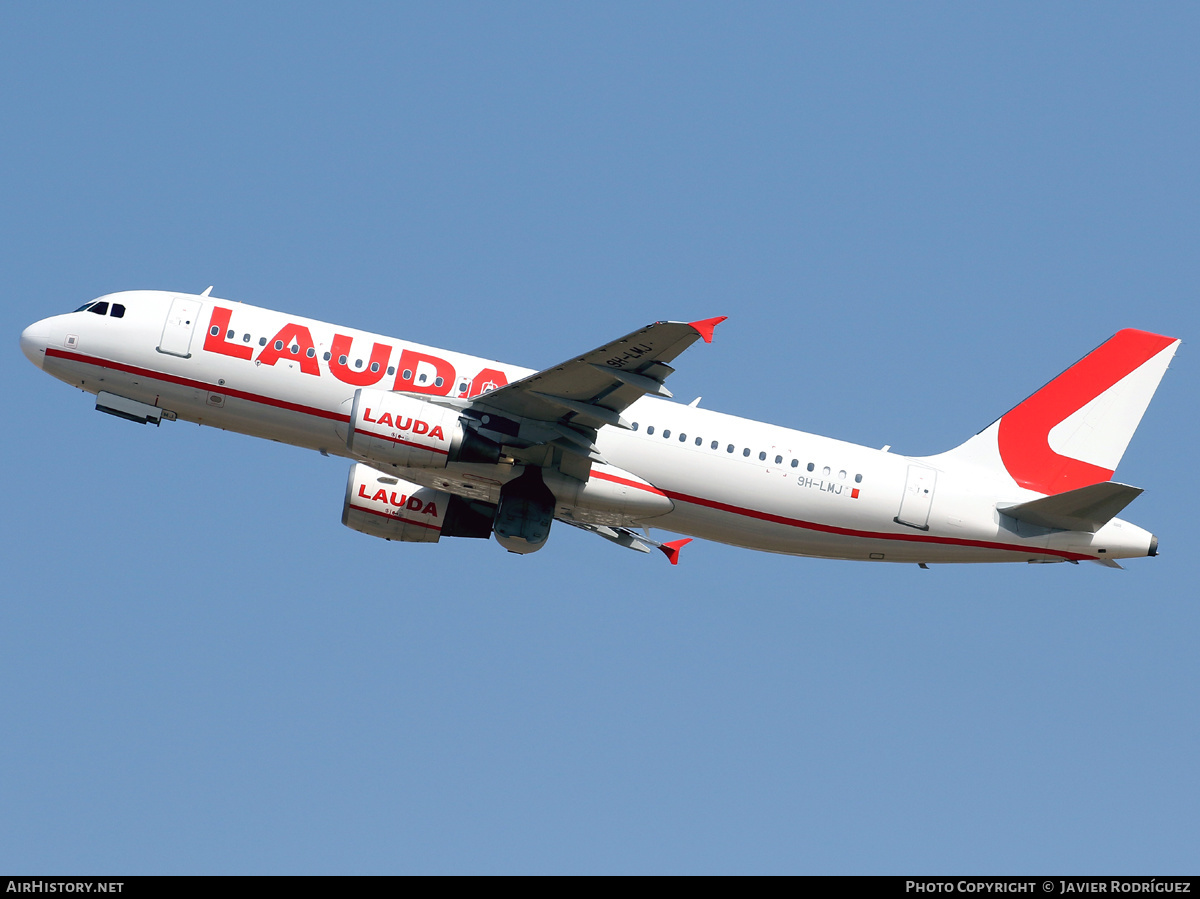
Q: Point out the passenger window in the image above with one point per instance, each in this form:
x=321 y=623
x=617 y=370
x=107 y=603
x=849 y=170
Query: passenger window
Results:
x=294 y=349
x=634 y=426
x=729 y=449
x=462 y=388
x=438 y=382
x=811 y=466
x=825 y=471
x=407 y=375
x=311 y=352
x=795 y=462
x=746 y=451
x=699 y=441
x=342 y=360
x=714 y=445
x=99 y=309
x=666 y=433
x=683 y=438
x=278 y=345
x=262 y=341
x=762 y=457
x=391 y=368
x=420 y=380
x=858 y=479
x=650 y=429
x=842 y=475
x=229 y=334
x=245 y=338
x=358 y=364
x=374 y=366
x=778 y=460
x=214 y=330
x=118 y=311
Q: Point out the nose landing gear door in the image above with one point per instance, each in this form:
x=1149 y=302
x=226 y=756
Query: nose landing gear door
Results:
x=918 y=497
x=177 y=332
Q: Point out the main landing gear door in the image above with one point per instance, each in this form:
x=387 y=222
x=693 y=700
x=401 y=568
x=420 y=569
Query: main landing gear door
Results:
x=918 y=497
x=181 y=321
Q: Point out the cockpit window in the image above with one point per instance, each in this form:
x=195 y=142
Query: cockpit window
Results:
x=118 y=311
x=99 y=308
x=86 y=306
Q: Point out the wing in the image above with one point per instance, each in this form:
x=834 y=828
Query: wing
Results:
x=631 y=539
x=559 y=410
x=592 y=390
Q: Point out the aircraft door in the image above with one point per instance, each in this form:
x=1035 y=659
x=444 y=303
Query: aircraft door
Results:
x=918 y=497
x=181 y=322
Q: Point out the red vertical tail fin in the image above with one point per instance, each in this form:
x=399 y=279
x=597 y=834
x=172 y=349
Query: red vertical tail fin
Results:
x=1074 y=430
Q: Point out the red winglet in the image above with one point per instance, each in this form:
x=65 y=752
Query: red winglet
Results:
x=672 y=549
x=705 y=328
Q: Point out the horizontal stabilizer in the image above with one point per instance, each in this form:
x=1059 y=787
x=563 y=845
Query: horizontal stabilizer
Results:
x=1083 y=509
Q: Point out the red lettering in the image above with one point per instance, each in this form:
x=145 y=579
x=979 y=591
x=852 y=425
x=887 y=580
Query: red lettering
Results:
x=342 y=346
x=381 y=495
x=291 y=335
x=437 y=432
x=431 y=509
x=411 y=361
x=362 y=491
x=386 y=419
x=487 y=380
x=420 y=427
x=367 y=416
x=414 y=503
x=216 y=343
x=399 y=502
x=403 y=425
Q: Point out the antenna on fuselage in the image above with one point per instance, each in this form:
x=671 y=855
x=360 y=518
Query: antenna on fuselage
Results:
x=207 y=291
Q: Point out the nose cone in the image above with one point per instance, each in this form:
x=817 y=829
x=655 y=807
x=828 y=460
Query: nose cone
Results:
x=33 y=342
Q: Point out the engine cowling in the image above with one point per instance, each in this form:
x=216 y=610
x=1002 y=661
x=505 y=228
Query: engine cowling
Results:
x=385 y=506
x=410 y=433
x=525 y=513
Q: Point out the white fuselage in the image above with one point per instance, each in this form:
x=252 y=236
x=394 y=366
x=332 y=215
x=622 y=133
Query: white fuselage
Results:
x=730 y=479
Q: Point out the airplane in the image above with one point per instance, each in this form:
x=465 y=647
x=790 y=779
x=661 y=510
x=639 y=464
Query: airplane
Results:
x=444 y=444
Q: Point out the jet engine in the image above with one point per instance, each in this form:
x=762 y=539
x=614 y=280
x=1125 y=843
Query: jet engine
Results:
x=411 y=433
x=394 y=509
x=525 y=513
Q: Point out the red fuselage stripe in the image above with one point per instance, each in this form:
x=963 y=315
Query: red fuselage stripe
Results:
x=198 y=385
x=673 y=495
x=871 y=535
x=628 y=483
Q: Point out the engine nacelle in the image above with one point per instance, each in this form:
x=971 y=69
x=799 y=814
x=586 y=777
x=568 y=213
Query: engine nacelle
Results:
x=411 y=433
x=385 y=506
x=525 y=513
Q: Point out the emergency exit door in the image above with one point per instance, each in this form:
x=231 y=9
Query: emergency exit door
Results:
x=181 y=322
x=918 y=497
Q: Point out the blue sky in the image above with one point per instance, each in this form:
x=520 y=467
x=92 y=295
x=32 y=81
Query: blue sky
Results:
x=914 y=215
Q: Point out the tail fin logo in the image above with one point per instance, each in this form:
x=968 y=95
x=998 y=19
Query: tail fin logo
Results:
x=1025 y=432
